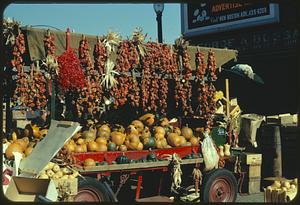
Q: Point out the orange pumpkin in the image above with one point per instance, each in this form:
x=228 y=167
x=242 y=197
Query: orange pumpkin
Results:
x=102 y=147
x=158 y=143
x=89 y=162
x=159 y=136
x=80 y=141
x=140 y=146
x=23 y=143
x=194 y=141
x=146 y=133
x=92 y=146
x=187 y=132
x=28 y=151
x=132 y=130
x=174 y=140
x=177 y=130
x=122 y=148
x=102 y=140
x=138 y=125
x=14 y=147
x=182 y=140
x=36 y=131
x=118 y=138
x=159 y=129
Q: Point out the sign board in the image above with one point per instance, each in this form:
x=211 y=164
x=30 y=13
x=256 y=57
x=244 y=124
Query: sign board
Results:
x=203 y=18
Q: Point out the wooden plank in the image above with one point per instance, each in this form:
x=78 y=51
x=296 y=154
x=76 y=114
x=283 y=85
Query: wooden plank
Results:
x=142 y=165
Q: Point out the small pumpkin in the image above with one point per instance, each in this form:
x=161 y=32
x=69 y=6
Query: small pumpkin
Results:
x=164 y=142
x=102 y=147
x=140 y=146
x=177 y=130
x=28 y=151
x=80 y=141
x=92 y=146
x=149 y=142
x=14 y=147
x=182 y=140
x=23 y=142
x=43 y=132
x=118 y=138
x=89 y=162
x=158 y=144
x=80 y=148
x=159 y=136
x=111 y=146
x=164 y=122
x=36 y=131
x=122 y=148
x=174 y=140
x=187 y=132
x=132 y=130
x=122 y=159
x=194 y=141
x=138 y=125
x=89 y=135
x=146 y=133
x=102 y=140
x=159 y=129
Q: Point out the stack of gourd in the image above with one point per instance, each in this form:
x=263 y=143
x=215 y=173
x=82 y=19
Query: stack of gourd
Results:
x=54 y=171
x=143 y=133
x=24 y=141
x=281 y=191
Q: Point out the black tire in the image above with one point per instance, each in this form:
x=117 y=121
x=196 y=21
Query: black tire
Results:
x=219 y=185
x=91 y=190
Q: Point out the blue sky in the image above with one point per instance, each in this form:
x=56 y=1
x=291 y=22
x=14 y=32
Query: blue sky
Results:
x=98 y=19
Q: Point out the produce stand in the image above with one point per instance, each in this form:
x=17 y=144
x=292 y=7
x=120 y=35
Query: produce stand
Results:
x=145 y=157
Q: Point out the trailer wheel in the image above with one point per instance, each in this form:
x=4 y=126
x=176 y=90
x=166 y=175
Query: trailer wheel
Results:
x=219 y=185
x=91 y=190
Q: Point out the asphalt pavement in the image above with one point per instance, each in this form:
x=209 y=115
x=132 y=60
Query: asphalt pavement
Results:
x=255 y=198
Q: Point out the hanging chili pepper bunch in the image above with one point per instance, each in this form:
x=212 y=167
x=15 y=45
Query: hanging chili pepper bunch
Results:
x=100 y=56
x=123 y=66
x=90 y=96
x=200 y=66
x=207 y=89
x=50 y=65
x=211 y=66
x=184 y=87
x=38 y=98
x=167 y=68
x=71 y=76
x=21 y=93
x=49 y=43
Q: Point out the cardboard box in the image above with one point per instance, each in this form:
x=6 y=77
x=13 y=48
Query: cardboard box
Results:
x=28 y=189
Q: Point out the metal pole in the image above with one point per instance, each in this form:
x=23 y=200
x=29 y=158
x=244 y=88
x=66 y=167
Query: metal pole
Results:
x=159 y=26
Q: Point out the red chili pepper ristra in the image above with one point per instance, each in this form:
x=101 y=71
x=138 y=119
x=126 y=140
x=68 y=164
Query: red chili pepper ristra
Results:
x=71 y=74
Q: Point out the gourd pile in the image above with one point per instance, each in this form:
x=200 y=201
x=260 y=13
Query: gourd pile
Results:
x=24 y=141
x=281 y=191
x=54 y=171
x=143 y=133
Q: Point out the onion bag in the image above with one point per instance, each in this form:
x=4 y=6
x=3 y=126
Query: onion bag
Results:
x=210 y=154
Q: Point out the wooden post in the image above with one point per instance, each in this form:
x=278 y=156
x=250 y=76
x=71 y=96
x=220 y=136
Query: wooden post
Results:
x=277 y=167
x=227 y=97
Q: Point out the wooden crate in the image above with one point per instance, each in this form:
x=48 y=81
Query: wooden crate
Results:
x=251 y=158
x=251 y=185
x=252 y=170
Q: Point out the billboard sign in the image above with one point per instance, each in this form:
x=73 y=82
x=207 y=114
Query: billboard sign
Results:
x=203 y=18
